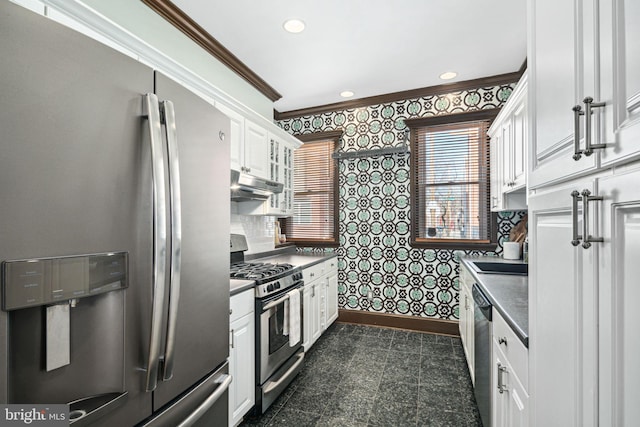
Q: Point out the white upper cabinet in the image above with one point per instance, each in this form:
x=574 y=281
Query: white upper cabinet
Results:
x=508 y=148
x=616 y=124
x=236 y=137
x=249 y=144
x=585 y=82
x=559 y=68
x=256 y=150
x=281 y=170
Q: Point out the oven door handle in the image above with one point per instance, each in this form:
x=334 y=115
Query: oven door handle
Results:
x=276 y=302
x=284 y=377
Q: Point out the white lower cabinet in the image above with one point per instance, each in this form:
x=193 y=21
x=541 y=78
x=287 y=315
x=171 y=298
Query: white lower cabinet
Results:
x=466 y=322
x=509 y=373
x=320 y=300
x=241 y=356
x=331 y=298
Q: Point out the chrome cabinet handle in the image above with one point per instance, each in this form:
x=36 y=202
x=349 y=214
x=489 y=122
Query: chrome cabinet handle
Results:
x=587 y=238
x=232 y=339
x=152 y=112
x=175 y=200
x=588 y=146
x=501 y=386
x=577 y=112
x=502 y=340
x=221 y=135
x=575 y=195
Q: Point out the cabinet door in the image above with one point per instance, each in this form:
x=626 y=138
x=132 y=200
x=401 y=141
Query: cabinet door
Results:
x=274 y=204
x=331 y=298
x=619 y=295
x=496 y=171
x=617 y=124
x=256 y=150
x=242 y=368
x=560 y=55
x=519 y=146
x=510 y=408
x=562 y=317
x=507 y=155
x=236 y=136
x=317 y=289
x=499 y=379
x=307 y=314
x=287 y=170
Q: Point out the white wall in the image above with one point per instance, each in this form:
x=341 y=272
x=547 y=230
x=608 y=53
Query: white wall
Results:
x=135 y=17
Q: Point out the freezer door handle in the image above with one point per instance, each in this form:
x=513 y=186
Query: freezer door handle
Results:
x=152 y=112
x=225 y=381
x=176 y=235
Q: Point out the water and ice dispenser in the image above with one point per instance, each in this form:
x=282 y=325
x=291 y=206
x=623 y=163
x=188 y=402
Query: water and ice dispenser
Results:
x=66 y=331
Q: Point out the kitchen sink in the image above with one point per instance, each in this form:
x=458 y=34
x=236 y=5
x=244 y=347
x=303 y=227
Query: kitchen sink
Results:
x=501 y=268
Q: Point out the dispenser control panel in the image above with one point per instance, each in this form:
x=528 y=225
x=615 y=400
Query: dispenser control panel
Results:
x=43 y=281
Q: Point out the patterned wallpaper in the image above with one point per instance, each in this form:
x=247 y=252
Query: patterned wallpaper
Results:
x=378 y=270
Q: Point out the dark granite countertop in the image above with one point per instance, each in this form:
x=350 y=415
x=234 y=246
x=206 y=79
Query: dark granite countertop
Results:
x=240 y=285
x=299 y=259
x=509 y=294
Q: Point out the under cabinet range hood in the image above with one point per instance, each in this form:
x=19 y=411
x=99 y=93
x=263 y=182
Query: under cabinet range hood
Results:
x=248 y=187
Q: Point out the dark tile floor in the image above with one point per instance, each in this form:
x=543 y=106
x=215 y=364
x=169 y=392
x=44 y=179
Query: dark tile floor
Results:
x=358 y=375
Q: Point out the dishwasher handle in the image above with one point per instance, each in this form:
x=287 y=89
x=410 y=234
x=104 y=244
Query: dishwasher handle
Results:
x=481 y=302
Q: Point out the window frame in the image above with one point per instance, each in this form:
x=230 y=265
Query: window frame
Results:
x=310 y=138
x=415 y=240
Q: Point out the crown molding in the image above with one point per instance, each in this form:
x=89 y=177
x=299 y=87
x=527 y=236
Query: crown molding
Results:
x=496 y=80
x=195 y=32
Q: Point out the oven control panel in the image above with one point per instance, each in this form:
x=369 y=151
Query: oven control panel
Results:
x=278 y=285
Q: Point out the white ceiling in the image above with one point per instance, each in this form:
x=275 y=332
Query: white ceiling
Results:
x=371 y=47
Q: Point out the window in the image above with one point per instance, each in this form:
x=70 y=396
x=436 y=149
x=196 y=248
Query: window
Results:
x=315 y=192
x=450 y=181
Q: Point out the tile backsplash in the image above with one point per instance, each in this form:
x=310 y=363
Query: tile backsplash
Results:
x=257 y=229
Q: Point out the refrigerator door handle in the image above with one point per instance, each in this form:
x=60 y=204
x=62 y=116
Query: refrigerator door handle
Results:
x=152 y=112
x=176 y=236
x=225 y=381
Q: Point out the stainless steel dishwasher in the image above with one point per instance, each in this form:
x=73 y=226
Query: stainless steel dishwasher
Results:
x=482 y=353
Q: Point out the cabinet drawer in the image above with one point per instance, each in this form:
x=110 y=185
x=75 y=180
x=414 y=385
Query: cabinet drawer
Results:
x=312 y=273
x=331 y=266
x=241 y=304
x=466 y=279
x=515 y=352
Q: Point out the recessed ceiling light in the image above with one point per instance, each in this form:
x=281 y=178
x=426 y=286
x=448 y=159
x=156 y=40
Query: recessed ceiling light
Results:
x=293 y=26
x=448 y=75
x=346 y=94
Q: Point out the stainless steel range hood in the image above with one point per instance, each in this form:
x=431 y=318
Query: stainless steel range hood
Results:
x=248 y=187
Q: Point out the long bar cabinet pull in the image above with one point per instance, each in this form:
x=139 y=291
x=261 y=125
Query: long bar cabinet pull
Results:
x=587 y=238
x=577 y=112
x=587 y=113
x=588 y=146
x=575 y=195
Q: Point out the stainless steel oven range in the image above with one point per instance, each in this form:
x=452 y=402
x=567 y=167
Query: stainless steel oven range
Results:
x=277 y=362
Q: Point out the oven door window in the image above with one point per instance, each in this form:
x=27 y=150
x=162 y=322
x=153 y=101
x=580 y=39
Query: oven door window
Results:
x=277 y=339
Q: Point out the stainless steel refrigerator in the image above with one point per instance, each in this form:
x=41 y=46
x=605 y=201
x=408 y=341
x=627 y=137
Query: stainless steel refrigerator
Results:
x=114 y=201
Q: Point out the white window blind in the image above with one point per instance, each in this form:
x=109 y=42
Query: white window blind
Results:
x=450 y=183
x=315 y=196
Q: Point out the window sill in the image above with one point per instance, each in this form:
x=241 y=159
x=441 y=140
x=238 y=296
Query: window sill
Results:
x=457 y=245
